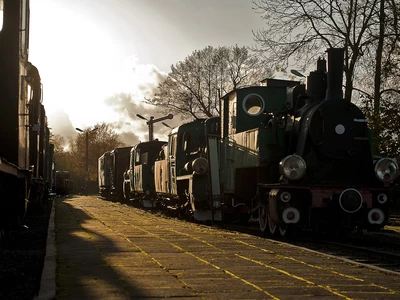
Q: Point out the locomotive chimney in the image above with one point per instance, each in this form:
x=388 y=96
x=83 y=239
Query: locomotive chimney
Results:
x=335 y=73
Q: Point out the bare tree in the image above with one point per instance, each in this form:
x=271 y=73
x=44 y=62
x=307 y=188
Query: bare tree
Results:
x=194 y=86
x=300 y=30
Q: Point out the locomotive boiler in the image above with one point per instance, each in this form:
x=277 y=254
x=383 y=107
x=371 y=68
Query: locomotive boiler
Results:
x=302 y=158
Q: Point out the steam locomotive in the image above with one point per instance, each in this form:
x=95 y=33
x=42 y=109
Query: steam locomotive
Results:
x=284 y=153
x=182 y=173
x=26 y=155
x=304 y=155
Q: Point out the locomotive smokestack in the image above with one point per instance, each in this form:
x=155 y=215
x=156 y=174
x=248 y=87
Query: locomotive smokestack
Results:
x=335 y=73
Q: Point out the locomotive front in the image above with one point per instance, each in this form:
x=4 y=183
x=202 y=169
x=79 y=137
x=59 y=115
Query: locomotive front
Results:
x=333 y=178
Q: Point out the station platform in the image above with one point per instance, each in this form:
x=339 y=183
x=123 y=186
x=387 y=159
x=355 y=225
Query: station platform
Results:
x=99 y=249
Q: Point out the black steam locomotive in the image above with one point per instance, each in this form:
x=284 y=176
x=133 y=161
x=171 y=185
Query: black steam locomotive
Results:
x=303 y=158
x=284 y=153
x=26 y=156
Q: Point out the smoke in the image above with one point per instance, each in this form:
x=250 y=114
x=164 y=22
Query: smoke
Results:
x=61 y=124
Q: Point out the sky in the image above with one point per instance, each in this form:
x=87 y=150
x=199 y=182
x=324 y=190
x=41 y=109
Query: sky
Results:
x=90 y=51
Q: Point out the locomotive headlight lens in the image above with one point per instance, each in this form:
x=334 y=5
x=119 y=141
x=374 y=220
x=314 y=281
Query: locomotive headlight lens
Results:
x=386 y=170
x=200 y=165
x=293 y=167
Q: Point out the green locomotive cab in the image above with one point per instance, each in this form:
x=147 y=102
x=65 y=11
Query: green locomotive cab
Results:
x=253 y=143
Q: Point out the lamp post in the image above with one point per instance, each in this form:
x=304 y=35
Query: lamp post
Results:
x=151 y=122
x=87 y=156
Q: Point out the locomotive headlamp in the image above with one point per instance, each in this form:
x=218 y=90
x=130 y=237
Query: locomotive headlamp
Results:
x=200 y=166
x=386 y=169
x=292 y=167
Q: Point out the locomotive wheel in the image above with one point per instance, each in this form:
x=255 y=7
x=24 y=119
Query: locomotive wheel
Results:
x=275 y=229
x=263 y=218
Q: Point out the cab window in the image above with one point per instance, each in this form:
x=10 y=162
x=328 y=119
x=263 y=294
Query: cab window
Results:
x=137 y=157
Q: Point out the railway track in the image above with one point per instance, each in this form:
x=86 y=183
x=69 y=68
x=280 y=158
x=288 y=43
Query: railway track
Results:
x=377 y=257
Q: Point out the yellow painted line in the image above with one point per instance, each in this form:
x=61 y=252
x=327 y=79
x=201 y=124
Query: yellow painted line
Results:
x=295 y=260
x=209 y=263
x=321 y=268
x=327 y=288
x=260 y=263
x=137 y=247
x=240 y=256
x=219 y=268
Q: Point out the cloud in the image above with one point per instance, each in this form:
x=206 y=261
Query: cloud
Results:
x=129 y=124
x=129 y=138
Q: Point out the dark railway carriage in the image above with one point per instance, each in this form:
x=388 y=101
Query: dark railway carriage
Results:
x=63 y=183
x=39 y=135
x=24 y=136
x=104 y=174
x=303 y=159
x=182 y=175
x=140 y=176
x=119 y=165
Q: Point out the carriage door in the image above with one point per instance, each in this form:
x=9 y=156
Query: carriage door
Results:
x=172 y=163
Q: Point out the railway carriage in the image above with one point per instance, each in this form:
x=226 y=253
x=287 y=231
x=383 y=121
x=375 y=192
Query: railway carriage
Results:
x=63 y=184
x=25 y=150
x=119 y=165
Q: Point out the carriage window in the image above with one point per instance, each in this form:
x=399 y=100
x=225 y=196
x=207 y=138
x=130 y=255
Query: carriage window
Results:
x=253 y=104
x=185 y=141
x=1 y=14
